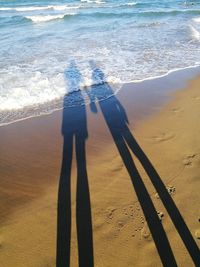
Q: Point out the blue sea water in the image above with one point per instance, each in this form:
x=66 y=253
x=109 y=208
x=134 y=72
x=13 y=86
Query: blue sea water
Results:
x=128 y=40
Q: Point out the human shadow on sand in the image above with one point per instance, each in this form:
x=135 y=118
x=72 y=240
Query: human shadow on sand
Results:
x=117 y=122
x=74 y=131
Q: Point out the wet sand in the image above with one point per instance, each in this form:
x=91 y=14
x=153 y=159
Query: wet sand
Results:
x=120 y=215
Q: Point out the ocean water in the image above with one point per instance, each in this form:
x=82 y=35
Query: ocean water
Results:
x=44 y=44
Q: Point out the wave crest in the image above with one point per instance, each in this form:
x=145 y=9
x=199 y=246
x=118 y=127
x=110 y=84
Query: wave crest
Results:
x=46 y=18
x=195 y=34
x=38 y=8
x=197 y=20
x=93 y=1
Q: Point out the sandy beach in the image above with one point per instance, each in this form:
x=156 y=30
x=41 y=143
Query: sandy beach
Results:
x=114 y=183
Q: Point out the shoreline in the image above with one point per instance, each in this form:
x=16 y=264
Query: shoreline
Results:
x=163 y=122
x=55 y=105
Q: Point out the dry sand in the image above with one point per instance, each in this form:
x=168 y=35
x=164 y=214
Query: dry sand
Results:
x=30 y=166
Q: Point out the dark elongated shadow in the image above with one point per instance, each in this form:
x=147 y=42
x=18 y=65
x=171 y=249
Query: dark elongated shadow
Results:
x=168 y=202
x=117 y=122
x=74 y=130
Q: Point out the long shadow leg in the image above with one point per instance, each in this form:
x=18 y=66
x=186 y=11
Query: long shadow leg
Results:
x=168 y=202
x=155 y=226
x=83 y=208
x=64 y=206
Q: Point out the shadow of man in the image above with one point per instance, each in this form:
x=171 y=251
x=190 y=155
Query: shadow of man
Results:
x=74 y=129
x=117 y=122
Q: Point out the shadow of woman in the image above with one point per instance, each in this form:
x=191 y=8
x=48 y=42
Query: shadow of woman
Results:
x=74 y=129
x=117 y=122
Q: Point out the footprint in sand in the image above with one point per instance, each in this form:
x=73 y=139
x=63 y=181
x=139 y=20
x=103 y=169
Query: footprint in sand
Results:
x=189 y=159
x=196 y=97
x=171 y=190
x=176 y=110
x=117 y=168
x=197 y=232
x=160 y=215
x=130 y=211
x=162 y=137
x=145 y=232
x=110 y=213
x=120 y=225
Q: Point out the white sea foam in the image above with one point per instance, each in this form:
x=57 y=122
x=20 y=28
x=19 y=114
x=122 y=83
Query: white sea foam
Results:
x=64 y=7
x=195 y=34
x=93 y=1
x=37 y=8
x=39 y=88
x=42 y=88
x=192 y=71
x=22 y=88
x=46 y=18
x=5 y=8
x=25 y=8
x=132 y=4
x=34 y=8
x=197 y=20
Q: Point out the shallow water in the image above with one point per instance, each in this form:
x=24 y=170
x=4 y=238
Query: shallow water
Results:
x=50 y=48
